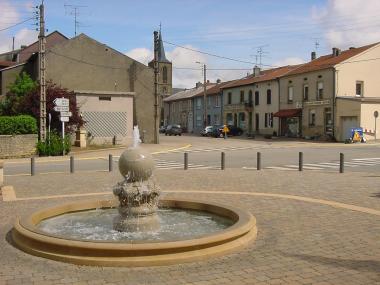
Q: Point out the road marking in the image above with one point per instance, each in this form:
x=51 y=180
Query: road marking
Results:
x=305 y=167
x=330 y=203
x=279 y=168
x=373 y=158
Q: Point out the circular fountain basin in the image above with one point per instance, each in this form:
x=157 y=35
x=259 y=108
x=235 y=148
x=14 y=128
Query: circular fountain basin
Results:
x=206 y=230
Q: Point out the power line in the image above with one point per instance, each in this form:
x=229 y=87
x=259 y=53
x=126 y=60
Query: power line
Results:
x=207 y=53
x=19 y=23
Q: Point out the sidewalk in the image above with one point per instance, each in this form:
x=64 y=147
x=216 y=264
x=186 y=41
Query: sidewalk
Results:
x=313 y=228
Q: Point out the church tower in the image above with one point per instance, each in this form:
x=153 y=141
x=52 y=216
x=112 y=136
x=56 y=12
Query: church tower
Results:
x=165 y=70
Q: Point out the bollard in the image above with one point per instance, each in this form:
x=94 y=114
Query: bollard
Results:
x=223 y=161
x=341 y=163
x=300 y=161
x=32 y=166
x=258 y=161
x=72 y=164
x=186 y=161
x=110 y=163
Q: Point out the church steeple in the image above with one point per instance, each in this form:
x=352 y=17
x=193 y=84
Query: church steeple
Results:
x=161 y=50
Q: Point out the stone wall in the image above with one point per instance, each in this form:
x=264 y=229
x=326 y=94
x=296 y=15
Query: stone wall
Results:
x=17 y=145
x=1 y=173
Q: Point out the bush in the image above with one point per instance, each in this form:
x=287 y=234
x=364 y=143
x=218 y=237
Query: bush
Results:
x=54 y=145
x=18 y=125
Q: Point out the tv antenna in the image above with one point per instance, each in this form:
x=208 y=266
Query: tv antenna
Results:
x=74 y=11
x=260 y=53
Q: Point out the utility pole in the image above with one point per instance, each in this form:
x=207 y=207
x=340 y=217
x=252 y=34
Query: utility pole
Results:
x=155 y=65
x=204 y=93
x=204 y=97
x=42 y=71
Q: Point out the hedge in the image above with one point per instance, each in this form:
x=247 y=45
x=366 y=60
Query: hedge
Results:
x=18 y=125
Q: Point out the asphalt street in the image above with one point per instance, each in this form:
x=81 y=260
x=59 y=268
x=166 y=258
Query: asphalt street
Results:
x=205 y=153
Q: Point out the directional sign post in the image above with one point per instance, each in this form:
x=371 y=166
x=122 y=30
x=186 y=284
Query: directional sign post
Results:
x=62 y=106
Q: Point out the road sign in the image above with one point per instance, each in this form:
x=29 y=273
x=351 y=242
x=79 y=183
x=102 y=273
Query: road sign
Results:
x=64 y=119
x=61 y=102
x=61 y=108
x=66 y=114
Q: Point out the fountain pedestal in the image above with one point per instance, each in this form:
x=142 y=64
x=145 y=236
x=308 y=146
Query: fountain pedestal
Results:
x=137 y=194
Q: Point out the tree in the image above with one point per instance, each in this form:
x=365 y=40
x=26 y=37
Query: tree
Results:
x=31 y=105
x=17 y=91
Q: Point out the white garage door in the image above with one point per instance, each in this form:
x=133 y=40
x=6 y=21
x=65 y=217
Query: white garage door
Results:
x=347 y=124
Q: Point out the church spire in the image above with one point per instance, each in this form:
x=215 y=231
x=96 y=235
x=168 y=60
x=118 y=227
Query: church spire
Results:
x=161 y=51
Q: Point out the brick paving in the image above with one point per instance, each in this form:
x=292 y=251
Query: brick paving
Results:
x=298 y=242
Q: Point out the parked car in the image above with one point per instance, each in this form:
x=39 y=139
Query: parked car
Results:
x=162 y=129
x=207 y=131
x=233 y=131
x=173 y=130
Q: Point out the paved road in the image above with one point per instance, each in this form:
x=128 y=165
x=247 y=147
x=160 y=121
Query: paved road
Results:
x=205 y=153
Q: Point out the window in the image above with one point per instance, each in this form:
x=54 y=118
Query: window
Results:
x=359 y=88
x=104 y=98
x=250 y=97
x=242 y=96
x=217 y=101
x=165 y=74
x=229 y=98
x=229 y=119
x=257 y=98
x=209 y=101
x=216 y=120
x=266 y=120
x=271 y=120
x=306 y=92
x=242 y=117
x=320 y=91
x=199 y=121
x=312 y=118
x=290 y=94
x=269 y=96
x=199 y=103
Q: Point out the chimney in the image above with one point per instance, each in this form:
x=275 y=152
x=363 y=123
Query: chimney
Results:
x=335 y=51
x=256 y=71
x=313 y=55
x=352 y=48
x=23 y=46
x=198 y=84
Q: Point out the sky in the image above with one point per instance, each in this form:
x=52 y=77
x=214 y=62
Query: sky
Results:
x=286 y=31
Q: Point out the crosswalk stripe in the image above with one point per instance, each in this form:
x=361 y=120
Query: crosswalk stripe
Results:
x=305 y=167
x=279 y=168
x=373 y=158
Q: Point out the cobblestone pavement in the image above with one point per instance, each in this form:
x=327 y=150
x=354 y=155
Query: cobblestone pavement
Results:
x=298 y=242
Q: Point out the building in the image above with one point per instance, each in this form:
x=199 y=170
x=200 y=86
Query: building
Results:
x=330 y=95
x=180 y=108
x=249 y=103
x=114 y=92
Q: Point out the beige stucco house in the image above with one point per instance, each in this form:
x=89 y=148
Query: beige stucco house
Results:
x=250 y=102
x=332 y=94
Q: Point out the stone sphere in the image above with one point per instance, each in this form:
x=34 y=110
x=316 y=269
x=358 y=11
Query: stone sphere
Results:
x=136 y=164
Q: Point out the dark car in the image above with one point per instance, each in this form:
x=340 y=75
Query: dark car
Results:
x=173 y=130
x=162 y=129
x=233 y=131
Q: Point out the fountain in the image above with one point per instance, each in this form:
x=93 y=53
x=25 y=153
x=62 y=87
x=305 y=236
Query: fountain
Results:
x=138 y=195
x=137 y=229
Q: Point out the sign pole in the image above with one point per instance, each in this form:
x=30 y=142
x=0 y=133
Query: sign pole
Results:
x=63 y=137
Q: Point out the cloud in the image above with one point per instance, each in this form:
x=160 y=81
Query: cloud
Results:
x=182 y=58
x=349 y=23
x=12 y=15
x=289 y=61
